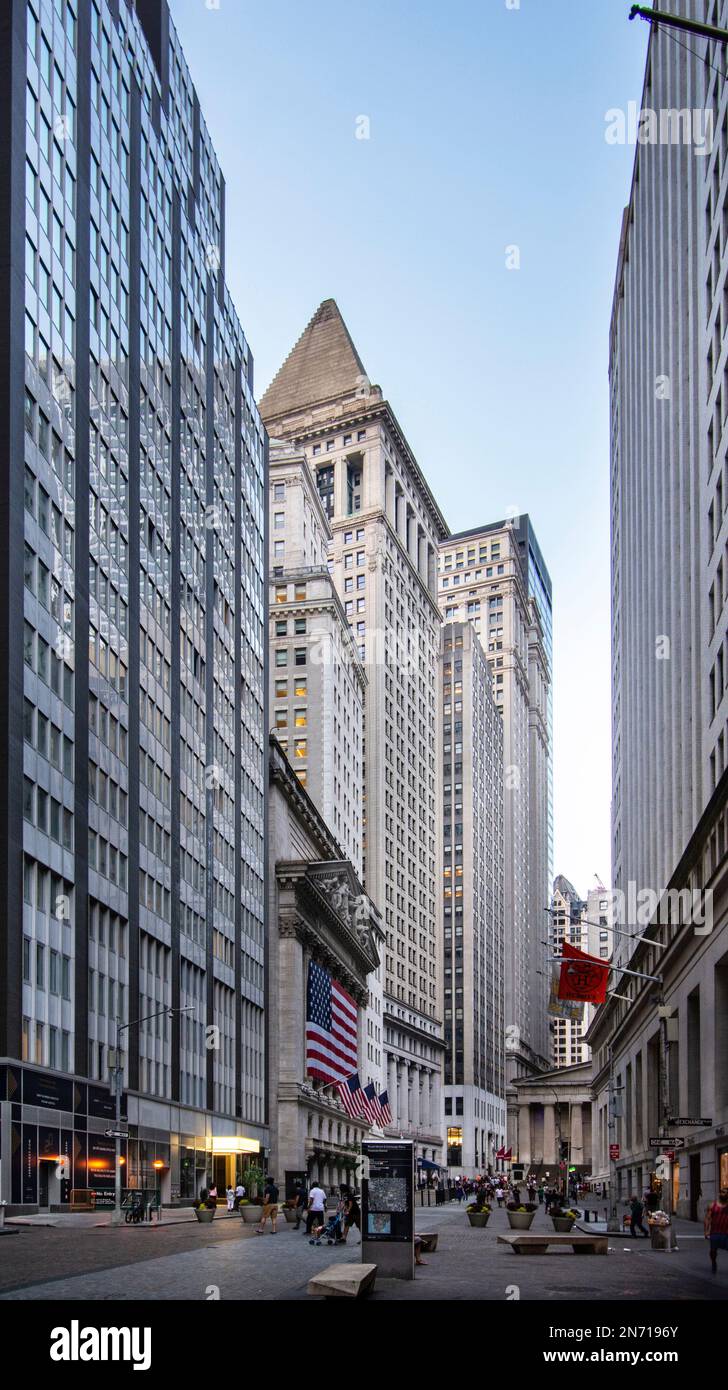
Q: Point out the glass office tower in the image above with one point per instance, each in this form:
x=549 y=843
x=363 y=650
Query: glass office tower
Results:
x=132 y=687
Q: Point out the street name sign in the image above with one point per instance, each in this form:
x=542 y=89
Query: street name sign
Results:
x=116 y=1134
x=666 y=1141
x=687 y=1123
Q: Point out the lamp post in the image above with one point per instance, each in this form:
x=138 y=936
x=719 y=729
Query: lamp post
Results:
x=116 y=1073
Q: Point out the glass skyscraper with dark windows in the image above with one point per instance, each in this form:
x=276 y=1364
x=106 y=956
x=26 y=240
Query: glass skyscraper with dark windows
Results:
x=133 y=596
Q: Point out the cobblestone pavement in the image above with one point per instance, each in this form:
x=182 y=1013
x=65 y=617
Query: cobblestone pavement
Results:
x=227 y=1261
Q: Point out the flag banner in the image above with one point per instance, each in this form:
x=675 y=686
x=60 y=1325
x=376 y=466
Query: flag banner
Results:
x=331 y=1027
x=582 y=977
x=504 y=1153
x=373 y=1106
x=386 y=1107
x=351 y=1095
x=571 y=1009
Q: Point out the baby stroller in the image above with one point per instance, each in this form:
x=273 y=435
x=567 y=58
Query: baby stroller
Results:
x=333 y=1231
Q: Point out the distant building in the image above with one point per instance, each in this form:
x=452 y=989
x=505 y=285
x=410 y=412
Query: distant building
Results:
x=472 y=904
x=584 y=924
x=317 y=682
x=386 y=528
x=494 y=578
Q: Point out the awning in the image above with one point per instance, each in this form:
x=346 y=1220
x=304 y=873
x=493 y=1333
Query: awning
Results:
x=427 y=1163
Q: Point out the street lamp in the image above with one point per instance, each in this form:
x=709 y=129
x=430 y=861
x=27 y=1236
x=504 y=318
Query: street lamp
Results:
x=116 y=1073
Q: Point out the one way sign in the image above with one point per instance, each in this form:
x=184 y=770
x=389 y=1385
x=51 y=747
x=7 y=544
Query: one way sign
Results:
x=666 y=1141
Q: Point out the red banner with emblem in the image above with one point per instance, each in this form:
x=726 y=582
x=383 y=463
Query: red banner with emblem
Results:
x=582 y=977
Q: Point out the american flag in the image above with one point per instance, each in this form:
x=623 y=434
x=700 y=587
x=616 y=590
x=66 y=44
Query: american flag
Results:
x=386 y=1107
x=351 y=1094
x=371 y=1104
x=331 y=1027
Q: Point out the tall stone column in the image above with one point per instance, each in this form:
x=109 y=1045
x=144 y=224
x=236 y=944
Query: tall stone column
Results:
x=577 y=1134
x=393 y=1090
x=340 y=482
x=437 y=1125
x=415 y=1079
x=426 y=1111
x=549 y=1135
x=524 y=1133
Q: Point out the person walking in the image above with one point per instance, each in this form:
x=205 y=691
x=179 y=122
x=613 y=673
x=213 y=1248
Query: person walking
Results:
x=541 y=1193
x=636 y=1212
x=300 y=1198
x=270 y=1207
x=500 y=1196
x=316 y=1209
x=239 y=1194
x=230 y=1194
x=352 y=1216
x=716 y=1227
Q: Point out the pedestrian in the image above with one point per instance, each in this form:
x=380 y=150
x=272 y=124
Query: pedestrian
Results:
x=300 y=1197
x=316 y=1209
x=352 y=1216
x=230 y=1194
x=540 y=1194
x=500 y=1196
x=239 y=1194
x=716 y=1227
x=212 y=1194
x=270 y=1206
x=636 y=1211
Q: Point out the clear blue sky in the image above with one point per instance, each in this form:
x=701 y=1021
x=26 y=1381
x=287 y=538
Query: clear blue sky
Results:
x=486 y=130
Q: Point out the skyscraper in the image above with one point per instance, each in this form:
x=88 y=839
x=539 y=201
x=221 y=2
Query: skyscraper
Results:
x=133 y=600
x=494 y=578
x=472 y=903
x=386 y=527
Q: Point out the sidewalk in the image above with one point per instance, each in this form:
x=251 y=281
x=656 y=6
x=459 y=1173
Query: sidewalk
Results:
x=171 y=1216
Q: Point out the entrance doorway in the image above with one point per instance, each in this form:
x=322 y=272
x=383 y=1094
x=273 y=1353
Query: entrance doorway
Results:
x=49 y=1187
x=695 y=1188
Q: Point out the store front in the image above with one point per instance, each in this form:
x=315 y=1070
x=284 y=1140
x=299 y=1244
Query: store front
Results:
x=55 y=1151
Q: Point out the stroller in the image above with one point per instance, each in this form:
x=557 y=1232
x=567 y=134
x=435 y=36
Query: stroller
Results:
x=332 y=1233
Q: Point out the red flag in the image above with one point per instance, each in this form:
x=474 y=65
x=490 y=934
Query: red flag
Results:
x=582 y=977
x=504 y=1153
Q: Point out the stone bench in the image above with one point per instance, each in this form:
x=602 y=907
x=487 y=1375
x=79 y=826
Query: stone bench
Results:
x=343 y=1281
x=428 y=1241
x=538 y=1245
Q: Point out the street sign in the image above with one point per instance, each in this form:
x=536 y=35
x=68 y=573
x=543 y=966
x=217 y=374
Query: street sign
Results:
x=116 y=1134
x=614 y=1150
x=666 y=1141
x=687 y=1123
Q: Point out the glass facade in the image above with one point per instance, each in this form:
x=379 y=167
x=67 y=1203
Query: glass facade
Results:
x=141 y=637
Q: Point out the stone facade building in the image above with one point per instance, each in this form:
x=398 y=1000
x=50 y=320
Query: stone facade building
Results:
x=494 y=578
x=386 y=527
x=317 y=912
x=471 y=732
x=555 y=1123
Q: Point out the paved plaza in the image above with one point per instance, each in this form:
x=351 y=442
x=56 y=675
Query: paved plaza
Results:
x=182 y=1260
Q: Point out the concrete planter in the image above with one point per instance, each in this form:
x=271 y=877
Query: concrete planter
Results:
x=478 y=1218
x=205 y=1215
x=251 y=1213
x=520 y=1220
x=289 y=1215
x=563 y=1223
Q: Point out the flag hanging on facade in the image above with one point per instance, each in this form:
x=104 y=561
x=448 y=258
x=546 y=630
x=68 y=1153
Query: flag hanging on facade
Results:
x=386 y=1107
x=351 y=1096
x=331 y=1027
x=370 y=1104
x=504 y=1153
x=374 y=1105
x=582 y=977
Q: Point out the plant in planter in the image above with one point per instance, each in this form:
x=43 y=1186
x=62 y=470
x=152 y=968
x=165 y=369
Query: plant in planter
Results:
x=205 y=1208
x=563 y=1218
x=520 y=1215
x=478 y=1213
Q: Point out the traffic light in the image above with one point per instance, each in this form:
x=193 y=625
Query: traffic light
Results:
x=564 y=1149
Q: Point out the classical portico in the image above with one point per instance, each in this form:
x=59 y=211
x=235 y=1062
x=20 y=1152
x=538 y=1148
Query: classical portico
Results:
x=554 y=1118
